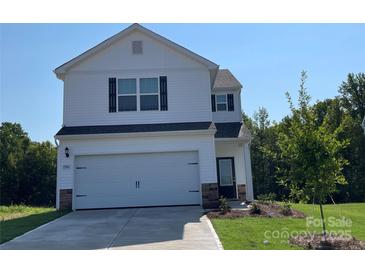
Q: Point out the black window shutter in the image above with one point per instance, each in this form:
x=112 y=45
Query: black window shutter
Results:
x=230 y=102
x=112 y=94
x=163 y=93
x=213 y=102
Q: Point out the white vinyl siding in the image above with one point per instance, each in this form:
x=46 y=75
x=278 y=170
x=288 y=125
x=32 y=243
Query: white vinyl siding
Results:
x=86 y=93
x=228 y=116
x=86 y=99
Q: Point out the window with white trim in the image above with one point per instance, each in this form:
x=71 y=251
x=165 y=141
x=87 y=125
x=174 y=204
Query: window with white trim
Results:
x=149 y=95
x=221 y=102
x=127 y=94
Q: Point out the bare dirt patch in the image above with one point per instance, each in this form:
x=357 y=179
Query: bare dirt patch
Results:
x=258 y=210
x=331 y=243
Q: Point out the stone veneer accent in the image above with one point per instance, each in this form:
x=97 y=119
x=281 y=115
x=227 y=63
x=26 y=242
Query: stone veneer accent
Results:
x=65 y=199
x=210 y=195
x=241 y=192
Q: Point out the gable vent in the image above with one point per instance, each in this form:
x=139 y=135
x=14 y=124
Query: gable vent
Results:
x=137 y=47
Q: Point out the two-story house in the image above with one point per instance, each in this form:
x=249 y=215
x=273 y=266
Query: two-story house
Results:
x=147 y=122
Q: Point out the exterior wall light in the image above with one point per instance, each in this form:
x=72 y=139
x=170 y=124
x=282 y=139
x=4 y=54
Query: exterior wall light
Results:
x=67 y=152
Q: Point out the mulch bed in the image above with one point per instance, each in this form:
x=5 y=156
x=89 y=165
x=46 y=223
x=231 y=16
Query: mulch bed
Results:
x=315 y=241
x=265 y=210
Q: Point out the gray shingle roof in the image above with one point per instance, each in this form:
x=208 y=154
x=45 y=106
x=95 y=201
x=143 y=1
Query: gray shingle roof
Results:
x=227 y=130
x=225 y=79
x=108 y=129
x=224 y=130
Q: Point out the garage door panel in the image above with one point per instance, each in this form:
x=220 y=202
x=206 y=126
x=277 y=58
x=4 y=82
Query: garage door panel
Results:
x=110 y=180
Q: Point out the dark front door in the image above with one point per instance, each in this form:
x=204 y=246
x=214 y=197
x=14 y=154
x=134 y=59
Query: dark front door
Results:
x=226 y=177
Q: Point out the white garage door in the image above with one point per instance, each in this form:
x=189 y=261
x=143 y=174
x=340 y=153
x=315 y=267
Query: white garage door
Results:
x=129 y=180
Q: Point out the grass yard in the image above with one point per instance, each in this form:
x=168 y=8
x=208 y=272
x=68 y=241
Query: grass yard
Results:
x=251 y=232
x=15 y=220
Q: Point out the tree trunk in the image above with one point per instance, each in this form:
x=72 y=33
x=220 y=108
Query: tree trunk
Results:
x=323 y=224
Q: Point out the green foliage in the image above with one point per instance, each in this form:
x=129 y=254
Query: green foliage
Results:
x=341 y=116
x=28 y=169
x=223 y=205
x=14 y=143
x=312 y=152
x=353 y=95
x=263 y=150
x=267 y=198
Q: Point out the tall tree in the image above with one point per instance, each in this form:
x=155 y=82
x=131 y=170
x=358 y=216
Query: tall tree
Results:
x=353 y=94
x=14 y=143
x=262 y=158
x=312 y=152
x=27 y=169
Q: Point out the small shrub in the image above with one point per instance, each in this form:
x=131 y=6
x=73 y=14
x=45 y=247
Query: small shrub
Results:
x=223 y=205
x=286 y=211
x=267 y=198
x=255 y=209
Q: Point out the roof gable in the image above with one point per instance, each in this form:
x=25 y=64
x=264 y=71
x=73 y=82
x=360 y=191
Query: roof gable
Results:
x=225 y=80
x=61 y=70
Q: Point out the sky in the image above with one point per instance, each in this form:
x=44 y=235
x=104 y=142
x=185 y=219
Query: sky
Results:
x=266 y=58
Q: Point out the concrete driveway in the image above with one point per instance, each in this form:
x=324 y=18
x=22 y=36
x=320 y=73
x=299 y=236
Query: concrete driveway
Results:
x=138 y=228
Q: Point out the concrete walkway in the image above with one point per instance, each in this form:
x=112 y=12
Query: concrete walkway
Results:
x=142 y=228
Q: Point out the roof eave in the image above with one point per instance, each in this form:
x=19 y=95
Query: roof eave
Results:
x=236 y=88
x=209 y=131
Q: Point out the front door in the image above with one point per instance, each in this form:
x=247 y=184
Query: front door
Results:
x=226 y=177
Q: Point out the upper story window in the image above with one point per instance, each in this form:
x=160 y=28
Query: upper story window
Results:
x=138 y=94
x=127 y=95
x=149 y=93
x=221 y=101
x=144 y=92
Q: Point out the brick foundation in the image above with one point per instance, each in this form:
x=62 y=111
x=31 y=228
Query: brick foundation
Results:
x=241 y=189
x=210 y=195
x=65 y=199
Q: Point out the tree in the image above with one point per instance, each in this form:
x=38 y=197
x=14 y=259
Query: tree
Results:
x=353 y=94
x=38 y=185
x=312 y=151
x=28 y=169
x=352 y=97
x=14 y=143
x=262 y=158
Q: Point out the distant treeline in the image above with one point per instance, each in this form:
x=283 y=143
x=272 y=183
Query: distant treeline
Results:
x=27 y=169
x=347 y=109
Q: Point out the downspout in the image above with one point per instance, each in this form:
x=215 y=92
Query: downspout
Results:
x=56 y=142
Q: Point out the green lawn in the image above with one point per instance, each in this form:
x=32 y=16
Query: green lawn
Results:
x=251 y=232
x=16 y=220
